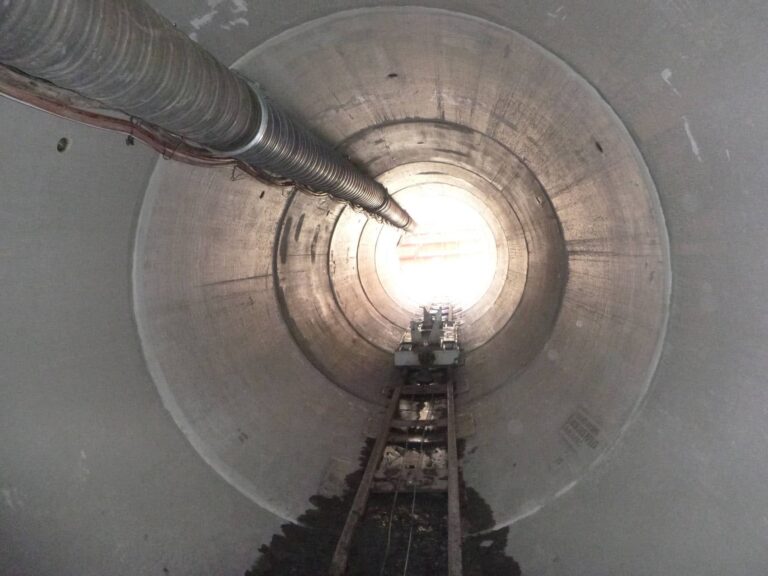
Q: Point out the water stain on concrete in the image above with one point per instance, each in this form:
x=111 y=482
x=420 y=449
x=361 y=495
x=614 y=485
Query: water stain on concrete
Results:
x=306 y=548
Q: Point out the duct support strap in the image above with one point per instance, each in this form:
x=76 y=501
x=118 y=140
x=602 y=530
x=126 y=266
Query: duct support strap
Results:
x=126 y=56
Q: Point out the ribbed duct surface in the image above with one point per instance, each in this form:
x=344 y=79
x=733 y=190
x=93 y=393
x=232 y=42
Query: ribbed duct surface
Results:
x=125 y=55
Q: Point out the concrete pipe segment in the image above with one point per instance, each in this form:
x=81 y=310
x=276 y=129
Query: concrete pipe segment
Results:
x=189 y=355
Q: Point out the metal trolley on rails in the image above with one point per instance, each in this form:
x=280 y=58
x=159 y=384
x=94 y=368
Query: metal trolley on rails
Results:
x=415 y=451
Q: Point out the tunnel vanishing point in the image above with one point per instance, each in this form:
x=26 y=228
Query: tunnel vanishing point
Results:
x=199 y=304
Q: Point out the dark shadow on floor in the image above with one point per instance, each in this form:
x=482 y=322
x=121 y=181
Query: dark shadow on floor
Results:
x=305 y=549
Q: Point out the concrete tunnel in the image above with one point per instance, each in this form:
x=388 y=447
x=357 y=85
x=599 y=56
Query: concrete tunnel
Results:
x=188 y=354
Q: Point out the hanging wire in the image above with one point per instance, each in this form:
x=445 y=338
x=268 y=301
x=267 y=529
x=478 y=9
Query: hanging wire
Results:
x=393 y=508
x=392 y=512
x=413 y=498
x=389 y=532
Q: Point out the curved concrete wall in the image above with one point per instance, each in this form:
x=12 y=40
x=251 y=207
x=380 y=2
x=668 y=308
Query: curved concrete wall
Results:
x=265 y=327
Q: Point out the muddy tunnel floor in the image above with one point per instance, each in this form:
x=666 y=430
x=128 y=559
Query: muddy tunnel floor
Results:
x=306 y=548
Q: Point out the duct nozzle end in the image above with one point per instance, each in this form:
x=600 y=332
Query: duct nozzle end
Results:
x=411 y=226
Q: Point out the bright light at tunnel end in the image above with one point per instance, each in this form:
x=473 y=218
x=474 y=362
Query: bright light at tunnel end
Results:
x=450 y=256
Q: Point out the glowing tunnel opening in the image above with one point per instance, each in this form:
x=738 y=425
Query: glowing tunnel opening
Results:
x=450 y=257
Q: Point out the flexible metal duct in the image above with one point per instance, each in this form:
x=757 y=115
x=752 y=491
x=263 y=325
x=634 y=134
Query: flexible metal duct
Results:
x=125 y=55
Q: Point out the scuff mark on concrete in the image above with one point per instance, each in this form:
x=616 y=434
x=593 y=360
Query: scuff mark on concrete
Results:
x=557 y=13
x=12 y=499
x=236 y=22
x=239 y=6
x=728 y=154
x=203 y=20
x=694 y=145
x=8 y=499
x=82 y=468
x=666 y=75
x=236 y=7
x=566 y=488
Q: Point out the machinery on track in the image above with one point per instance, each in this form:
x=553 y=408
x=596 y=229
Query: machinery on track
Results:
x=415 y=451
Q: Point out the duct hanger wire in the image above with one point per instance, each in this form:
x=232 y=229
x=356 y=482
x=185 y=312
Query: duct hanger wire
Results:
x=62 y=103
x=49 y=98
